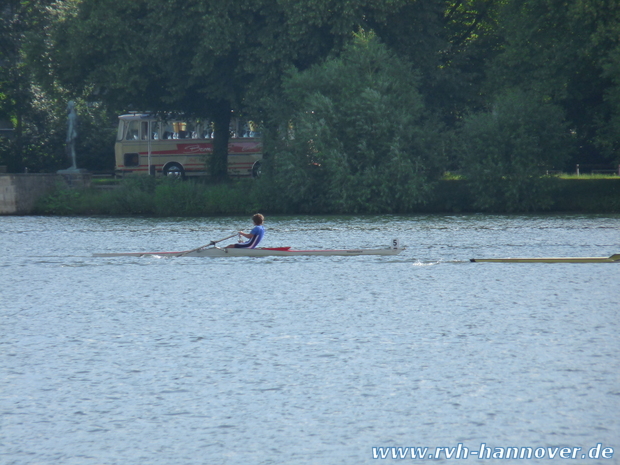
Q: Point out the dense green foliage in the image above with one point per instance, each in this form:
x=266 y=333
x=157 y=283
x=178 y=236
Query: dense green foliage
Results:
x=358 y=141
x=165 y=197
x=381 y=96
x=505 y=151
x=36 y=104
x=566 y=52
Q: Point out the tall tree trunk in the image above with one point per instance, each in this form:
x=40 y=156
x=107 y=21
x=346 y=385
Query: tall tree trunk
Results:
x=221 y=124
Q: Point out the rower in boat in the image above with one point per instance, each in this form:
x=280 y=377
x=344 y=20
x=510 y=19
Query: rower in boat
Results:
x=208 y=250
x=249 y=249
x=254 y=236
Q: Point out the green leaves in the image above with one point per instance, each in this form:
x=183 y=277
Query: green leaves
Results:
x=357 y=145
x=561 y=51
x=361 y=83
x=506 y=151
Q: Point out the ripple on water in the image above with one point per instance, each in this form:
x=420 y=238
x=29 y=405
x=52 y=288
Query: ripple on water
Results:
x=304 y=360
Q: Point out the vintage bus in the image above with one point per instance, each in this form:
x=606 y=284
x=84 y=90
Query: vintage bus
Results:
x=181 y=147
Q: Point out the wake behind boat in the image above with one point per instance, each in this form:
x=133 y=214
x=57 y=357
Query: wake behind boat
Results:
x=206 y=251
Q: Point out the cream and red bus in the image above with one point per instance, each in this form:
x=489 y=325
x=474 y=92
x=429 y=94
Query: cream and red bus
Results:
x=182 y=147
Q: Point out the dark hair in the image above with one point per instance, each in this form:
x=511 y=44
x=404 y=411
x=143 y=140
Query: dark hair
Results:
x=258 y=219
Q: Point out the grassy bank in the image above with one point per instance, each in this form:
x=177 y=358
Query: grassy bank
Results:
x=593 y=194
x=151 y=196
x=163 y=197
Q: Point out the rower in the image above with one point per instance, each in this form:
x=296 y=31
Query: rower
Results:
x=254 y=236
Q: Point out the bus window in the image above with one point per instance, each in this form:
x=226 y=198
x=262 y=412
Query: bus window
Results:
x=121 y=130
x=204 y=130
x=167 y=131
x=253 y=130
x=193 y=130
x=133 y=131
x=154 y=130
x=132 y=159
x=144 y=130
x=242 y=128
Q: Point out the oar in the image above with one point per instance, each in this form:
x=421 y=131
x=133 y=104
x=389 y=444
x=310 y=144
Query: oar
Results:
x=203 y=246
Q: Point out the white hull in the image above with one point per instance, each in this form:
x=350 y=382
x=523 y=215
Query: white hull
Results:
x=258 y=252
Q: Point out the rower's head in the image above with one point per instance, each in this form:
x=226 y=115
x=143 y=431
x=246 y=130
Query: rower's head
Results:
x=258 y=219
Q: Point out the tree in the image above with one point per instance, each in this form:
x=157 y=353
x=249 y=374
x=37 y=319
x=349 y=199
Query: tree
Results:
x=448 y=42
x=563 y=52
x=21 y=102
x=195 y=57
x=358 y=141
x=506 y=151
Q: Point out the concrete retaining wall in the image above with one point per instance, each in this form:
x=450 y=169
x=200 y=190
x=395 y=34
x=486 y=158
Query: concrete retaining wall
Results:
x=20 y=192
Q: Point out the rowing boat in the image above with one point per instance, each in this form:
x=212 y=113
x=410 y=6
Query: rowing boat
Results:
x=611 y=259
x=260 y=252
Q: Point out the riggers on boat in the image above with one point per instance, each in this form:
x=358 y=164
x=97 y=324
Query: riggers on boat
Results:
x=206 y=251
x=615 y=258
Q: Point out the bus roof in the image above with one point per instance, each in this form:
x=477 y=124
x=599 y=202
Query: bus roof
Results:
x=135 y=116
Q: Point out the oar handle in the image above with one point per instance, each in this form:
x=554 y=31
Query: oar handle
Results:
x=206 y=245
x=215 y=242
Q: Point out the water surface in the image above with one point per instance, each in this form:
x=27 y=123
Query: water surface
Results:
x=305 y=360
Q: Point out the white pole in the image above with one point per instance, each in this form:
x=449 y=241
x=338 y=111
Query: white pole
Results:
x=149 y=135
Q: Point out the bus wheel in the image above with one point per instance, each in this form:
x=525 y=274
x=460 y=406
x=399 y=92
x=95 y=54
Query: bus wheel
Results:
x=256 y=170
x=175 y=171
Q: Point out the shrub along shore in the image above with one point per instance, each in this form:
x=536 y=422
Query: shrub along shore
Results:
x=164 y=197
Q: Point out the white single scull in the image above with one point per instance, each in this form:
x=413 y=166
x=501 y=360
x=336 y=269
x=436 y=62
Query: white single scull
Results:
x=260 y=252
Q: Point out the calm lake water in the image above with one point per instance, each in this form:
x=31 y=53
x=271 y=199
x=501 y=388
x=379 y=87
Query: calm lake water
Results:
x=306 y=360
